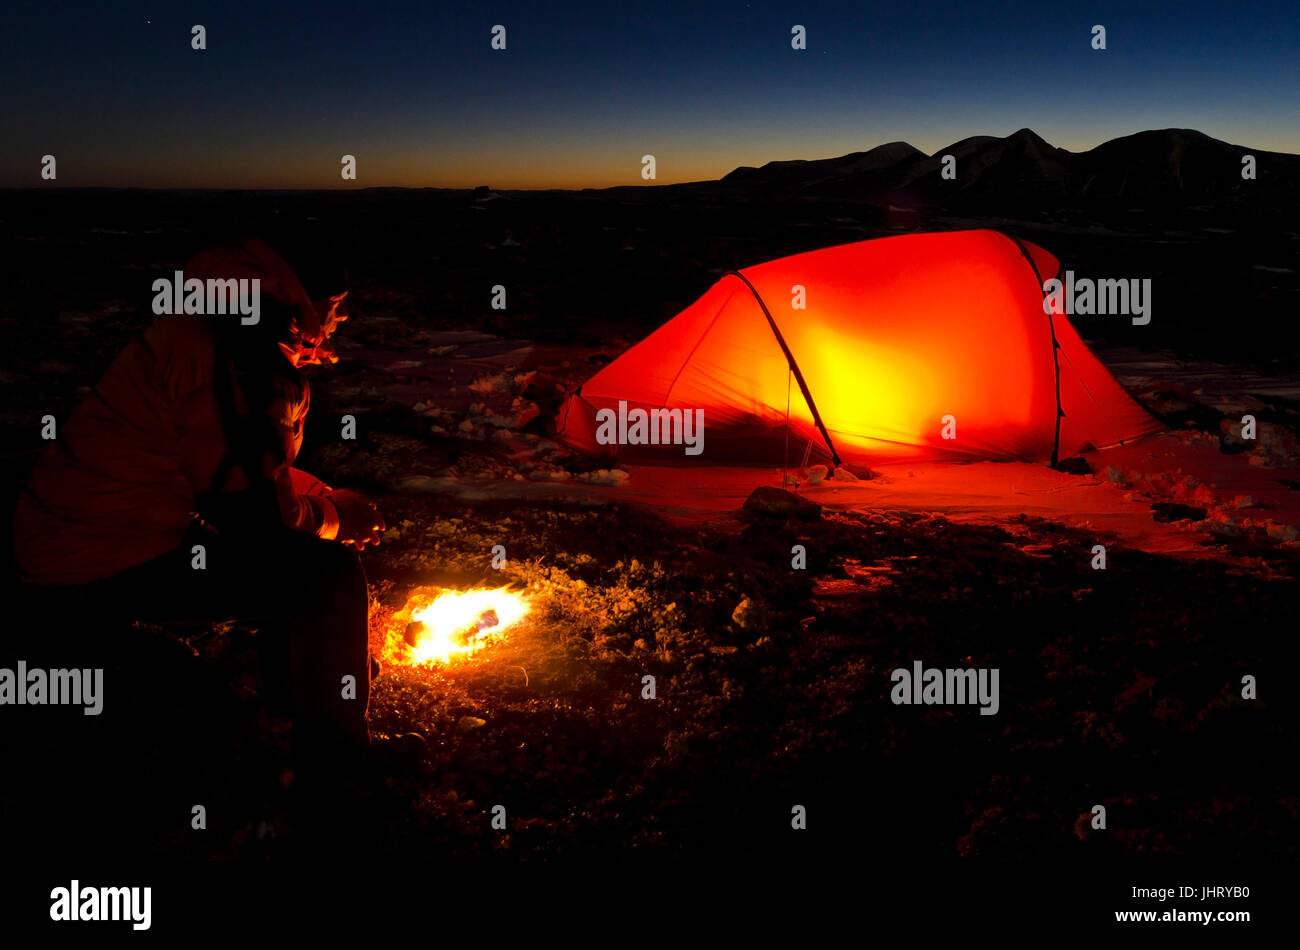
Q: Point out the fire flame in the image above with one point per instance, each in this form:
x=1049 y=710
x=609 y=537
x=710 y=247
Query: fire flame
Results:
x=459 y=623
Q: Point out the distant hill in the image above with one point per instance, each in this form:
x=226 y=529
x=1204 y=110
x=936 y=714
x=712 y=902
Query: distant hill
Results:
x=1162 y=167
x=887 y=163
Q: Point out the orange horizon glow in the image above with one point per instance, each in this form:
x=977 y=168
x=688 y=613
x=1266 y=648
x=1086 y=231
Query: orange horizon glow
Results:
x=539 y=166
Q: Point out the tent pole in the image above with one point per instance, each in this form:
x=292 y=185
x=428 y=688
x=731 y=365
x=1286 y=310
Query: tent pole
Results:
x=794 y=367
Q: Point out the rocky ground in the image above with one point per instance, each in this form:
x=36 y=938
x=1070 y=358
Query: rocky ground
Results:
x=1119 y=687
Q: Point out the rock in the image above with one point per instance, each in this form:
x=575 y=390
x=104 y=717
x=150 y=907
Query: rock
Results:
x=546 y=474
x=1280 y=532
x=778 y=503
x=468 y=723
x=411 y=744
x=815 y=474
x=842 y=474
x=1223 y=524
x=604 y=476
x=751 y=615
x=1230 y=440
x=1078 y=465
x=1166 y=511
x=496 y=383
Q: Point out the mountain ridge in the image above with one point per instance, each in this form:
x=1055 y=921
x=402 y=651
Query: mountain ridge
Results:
x=1162 y=165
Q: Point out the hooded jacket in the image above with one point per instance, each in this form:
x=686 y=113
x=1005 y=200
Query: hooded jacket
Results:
x=181 y=430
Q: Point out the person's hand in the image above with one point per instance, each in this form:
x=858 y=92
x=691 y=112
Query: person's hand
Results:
x=359 y=521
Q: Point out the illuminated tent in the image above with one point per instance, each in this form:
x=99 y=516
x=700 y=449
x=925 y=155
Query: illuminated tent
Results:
x=895 y=335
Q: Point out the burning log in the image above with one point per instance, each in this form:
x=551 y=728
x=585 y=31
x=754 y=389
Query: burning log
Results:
x=485 y=621
x=459 y=622
x=415 y=630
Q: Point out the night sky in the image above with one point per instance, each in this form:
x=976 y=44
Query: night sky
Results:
x=414 y=90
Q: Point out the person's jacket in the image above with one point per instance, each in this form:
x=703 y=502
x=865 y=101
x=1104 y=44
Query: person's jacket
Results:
x=184 y=429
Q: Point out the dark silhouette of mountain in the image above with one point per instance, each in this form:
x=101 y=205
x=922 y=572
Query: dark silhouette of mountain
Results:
x=1170 y=161
x=884 y=166
x=1021 y=164
x=1160 y=168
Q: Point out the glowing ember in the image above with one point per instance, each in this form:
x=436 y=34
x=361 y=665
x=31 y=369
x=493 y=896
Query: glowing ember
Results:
x=458 y=623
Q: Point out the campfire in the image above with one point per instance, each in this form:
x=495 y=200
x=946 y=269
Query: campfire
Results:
x=440 y=626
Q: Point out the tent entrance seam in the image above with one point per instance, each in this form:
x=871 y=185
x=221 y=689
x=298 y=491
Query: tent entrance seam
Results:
x=1056 y=351
x=1056 y=346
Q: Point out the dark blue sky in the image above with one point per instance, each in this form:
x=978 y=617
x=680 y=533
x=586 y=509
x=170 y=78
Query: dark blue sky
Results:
x=584 y=90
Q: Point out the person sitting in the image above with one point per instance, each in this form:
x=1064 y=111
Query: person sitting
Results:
x=170 y=493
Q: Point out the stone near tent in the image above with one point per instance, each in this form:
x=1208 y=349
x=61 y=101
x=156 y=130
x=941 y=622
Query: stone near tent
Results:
x=779 y=503
x=750 y=615
x=1076 y=465
x=1167 y=511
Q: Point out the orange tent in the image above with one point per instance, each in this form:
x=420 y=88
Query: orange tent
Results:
x=911 y=347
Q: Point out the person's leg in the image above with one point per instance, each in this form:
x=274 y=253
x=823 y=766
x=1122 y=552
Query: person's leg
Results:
x=307 y=596
x=309 y=592
x=326 y=628
x=328 y=646
x=170 y=717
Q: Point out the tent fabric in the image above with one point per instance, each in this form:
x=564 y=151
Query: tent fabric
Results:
x=895 y=335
